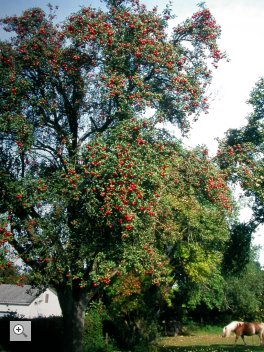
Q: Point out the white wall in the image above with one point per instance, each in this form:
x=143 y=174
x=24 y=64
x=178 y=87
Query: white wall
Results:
x=42 y=306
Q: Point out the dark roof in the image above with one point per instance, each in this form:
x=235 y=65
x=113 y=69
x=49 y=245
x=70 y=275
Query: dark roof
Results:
x=21 y=295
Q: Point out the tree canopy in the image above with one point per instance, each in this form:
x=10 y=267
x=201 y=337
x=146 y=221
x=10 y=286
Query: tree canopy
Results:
x=84 y=175
x=241 y=156
x=241 y=153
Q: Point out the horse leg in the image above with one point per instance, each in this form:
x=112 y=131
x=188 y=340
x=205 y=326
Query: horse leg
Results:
x=242 y=337
x=260 y=340
x=236 y=339
x=261 y=337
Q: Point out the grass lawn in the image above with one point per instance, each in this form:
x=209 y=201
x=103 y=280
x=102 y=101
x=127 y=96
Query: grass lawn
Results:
x=206 y=343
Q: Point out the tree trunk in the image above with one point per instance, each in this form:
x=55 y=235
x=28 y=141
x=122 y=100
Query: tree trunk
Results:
x=73 y=301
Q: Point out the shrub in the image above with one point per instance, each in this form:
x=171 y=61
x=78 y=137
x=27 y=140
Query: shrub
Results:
x=94 y=339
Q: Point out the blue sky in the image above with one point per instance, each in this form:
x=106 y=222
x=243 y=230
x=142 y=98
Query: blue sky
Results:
x=242 y=23
x=242 y=35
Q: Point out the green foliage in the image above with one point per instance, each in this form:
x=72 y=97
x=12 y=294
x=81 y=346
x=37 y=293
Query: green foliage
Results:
x=133 y=303
x=241 y=155
x=94 y=338
x=244 y=293
x=237 y=254
x=84 y=179
x=191 y=229
x=241 y=152
x=8 y=273
x=201 y=329
x=193 y=223
x=93 y=332
x=61 y=87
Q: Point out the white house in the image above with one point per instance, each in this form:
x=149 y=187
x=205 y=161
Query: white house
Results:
x=28 y=301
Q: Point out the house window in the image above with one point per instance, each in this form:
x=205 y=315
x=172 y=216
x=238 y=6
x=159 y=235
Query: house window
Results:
x=46 y=298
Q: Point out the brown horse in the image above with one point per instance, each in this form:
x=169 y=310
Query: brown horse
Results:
x=242 y=329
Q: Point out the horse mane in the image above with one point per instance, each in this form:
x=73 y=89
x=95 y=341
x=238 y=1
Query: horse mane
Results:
x=231 y=327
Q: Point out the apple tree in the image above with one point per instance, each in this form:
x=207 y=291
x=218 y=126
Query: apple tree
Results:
x=81 y=172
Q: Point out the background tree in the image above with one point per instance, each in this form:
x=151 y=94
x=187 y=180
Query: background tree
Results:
x=241 y=155
x=244 y=293
x=237 y=252
x=76 y=204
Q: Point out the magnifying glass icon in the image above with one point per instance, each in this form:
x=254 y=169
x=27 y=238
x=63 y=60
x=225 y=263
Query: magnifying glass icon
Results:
x=19 y=329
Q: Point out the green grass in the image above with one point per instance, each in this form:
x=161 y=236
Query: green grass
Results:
x=197 y=329
x=207 y=343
